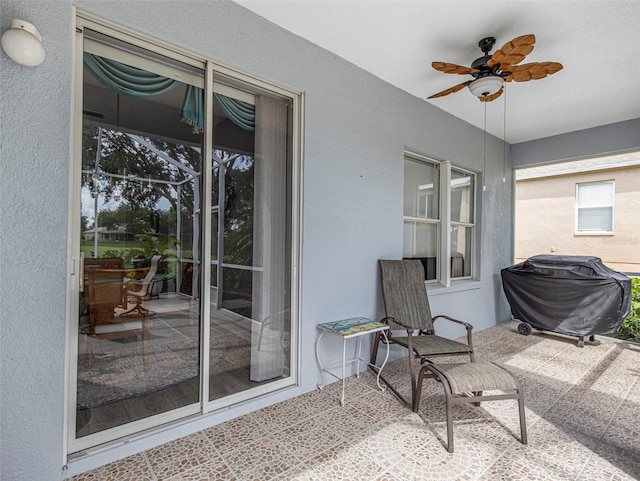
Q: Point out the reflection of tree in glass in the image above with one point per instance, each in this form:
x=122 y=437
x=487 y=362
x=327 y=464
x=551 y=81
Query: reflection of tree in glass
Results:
x=126 y=172
x=238 y=212
x=134 y=168
x=138 y=220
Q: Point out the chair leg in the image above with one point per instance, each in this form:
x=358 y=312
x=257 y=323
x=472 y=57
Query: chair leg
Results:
x=523 y=423
x=138 y=308
x=416 y=397
x=449 y=409
x=472 y=357
x=412 y=374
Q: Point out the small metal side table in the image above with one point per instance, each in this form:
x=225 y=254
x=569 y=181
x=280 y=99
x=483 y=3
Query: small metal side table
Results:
x=348 y=329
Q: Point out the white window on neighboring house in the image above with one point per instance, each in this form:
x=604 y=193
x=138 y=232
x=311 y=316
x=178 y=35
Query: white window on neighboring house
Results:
x=439 y=218
x=594 y=207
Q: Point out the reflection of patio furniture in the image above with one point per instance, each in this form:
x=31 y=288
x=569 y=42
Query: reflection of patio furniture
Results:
x=140 y=291
x=106 y=292
x=102 y=262
x=187 y=277
x=162 y=283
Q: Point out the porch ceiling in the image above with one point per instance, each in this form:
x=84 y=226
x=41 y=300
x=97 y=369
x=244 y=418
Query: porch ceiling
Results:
x=596 y=41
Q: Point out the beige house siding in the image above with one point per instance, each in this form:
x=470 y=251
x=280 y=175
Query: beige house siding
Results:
x=546 y=218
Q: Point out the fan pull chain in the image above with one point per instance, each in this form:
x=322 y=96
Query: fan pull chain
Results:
x=484 y=167
x=504 y=137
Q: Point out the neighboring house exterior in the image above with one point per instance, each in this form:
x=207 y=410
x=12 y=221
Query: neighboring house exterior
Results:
x=119 y=233
x=586 y=207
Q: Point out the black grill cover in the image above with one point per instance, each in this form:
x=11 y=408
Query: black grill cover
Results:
x=573 y=295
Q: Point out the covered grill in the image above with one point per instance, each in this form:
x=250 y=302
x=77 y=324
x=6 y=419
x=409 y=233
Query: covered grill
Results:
x=572 y=295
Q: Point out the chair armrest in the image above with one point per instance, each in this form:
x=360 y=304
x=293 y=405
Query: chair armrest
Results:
x=408 y=328
x=468 y=326
x=465 y=324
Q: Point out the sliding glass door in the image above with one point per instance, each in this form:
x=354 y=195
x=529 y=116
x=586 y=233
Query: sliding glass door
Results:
x=174 y=177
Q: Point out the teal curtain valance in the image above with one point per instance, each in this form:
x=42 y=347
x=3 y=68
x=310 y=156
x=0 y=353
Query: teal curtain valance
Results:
x=141 y=84
x=192 y=109
x=127 y=80
x=241 y=113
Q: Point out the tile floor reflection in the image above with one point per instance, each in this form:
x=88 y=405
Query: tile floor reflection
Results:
x=130 y=380
x=583 y=413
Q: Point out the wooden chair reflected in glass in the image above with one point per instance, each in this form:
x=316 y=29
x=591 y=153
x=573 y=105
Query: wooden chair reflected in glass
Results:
x=140 y=291
x=109 y=291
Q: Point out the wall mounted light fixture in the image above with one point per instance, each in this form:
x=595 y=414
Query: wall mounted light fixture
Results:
x=23 y=43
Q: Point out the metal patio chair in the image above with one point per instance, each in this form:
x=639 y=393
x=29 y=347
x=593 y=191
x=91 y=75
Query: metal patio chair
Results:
x=407 y=309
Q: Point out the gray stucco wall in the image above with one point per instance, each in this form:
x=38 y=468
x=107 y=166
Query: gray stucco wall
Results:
x=34 y=160
x=356 y=129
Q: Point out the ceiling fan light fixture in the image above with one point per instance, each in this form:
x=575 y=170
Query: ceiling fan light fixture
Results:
x=486 y=85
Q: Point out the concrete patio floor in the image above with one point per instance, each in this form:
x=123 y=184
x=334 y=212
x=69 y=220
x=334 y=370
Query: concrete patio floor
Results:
x=582 y=408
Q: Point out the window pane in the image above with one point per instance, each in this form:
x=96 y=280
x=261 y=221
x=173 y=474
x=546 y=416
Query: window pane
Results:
x=421 y=189
x=421 y=242
x=462 y=195
x=595 y=219
x=595 y=195
x=461 y=250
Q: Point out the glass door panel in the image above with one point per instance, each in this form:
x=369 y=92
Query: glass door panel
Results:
x=249 y=320
x=139 y=312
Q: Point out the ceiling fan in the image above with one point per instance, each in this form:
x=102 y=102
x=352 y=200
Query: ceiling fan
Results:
x=489 y=72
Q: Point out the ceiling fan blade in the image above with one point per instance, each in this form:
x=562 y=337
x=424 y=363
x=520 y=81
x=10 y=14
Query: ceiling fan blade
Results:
x=452 y=68
x=531 y=71
x=489 y=98
x=451 y=90
x=514 y=51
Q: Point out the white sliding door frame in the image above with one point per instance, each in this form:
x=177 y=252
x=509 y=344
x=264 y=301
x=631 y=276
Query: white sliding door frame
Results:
x=121 y=434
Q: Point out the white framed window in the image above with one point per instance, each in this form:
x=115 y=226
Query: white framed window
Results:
x=594 y=207
x=439 y=218
x=422 y=213
x=462 y=223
